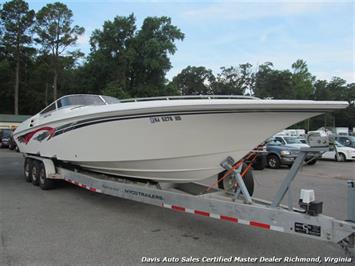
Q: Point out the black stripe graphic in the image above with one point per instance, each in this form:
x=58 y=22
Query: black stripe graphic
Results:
x=88 y=122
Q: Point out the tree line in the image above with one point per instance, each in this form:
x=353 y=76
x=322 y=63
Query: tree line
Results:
x=38 y=64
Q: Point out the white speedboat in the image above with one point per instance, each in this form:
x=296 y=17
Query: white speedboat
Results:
x=175 y=139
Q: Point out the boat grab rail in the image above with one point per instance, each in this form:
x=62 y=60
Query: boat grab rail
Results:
x=189 y=97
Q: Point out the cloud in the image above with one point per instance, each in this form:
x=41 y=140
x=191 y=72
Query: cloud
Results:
x=266 y=34
x=242 y=10
x=82 y=40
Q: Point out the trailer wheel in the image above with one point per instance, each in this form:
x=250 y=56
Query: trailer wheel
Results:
x=27 y=169
x=35 y=173
x=44 y=182
x=228 y=183
x=259 y=163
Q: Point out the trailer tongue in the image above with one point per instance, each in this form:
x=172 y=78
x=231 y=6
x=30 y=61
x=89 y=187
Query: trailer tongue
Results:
x=233 y=206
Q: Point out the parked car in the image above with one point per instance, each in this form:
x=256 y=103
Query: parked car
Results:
x=298 y=142
x=303 y=140
x=291 y=141
x=348 y=141
x=4 y=137
x=260 y=160
x=281 y=154
x=12 y=143
x=344 y=153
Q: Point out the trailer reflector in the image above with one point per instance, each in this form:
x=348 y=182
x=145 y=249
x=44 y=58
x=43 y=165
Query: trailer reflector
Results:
x=224 y=217
x=178 y=208
x=83 y=186
x=202 y=213
x=258 y=224
x=228 y=218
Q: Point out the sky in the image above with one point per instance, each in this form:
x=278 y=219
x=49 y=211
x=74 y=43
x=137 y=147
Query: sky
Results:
x=232 y=32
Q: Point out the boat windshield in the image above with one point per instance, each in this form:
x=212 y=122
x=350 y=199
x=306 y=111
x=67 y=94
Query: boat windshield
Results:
x=110 y=100
x=80 y=100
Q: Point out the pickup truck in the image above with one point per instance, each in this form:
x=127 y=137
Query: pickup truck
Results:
x=285 y=154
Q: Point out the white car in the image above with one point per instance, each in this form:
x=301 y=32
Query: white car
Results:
x=344 y=153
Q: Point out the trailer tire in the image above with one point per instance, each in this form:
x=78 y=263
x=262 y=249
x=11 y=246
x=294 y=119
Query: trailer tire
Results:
x=248 y=180
x=259 y=163
x=35 y=173
x=27 y=169
x=44 y=182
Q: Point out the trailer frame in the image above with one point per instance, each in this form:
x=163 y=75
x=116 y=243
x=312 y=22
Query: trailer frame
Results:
x=199 y=199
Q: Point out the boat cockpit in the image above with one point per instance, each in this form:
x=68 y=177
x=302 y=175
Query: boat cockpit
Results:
x=79 y=100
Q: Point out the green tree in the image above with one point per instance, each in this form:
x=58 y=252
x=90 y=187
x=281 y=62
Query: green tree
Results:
x=6 y=105
x=302 y=80
x=169 y=89
x=133 y=62
x=234 y=80
x=351 y=93
x=17 y=21
x=34 y=75
x=55 y=34
x=115 y=90
x=339 y=91
x=284 y=84
x=111 y=57
x=320 y=91
x=273 y=83
x=194 y=81
x=336 y=89
x=153 y=44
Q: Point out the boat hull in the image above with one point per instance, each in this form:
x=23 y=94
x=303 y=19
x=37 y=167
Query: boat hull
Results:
x=175 y=147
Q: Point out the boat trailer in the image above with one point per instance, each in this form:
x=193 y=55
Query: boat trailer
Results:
x=236 y=207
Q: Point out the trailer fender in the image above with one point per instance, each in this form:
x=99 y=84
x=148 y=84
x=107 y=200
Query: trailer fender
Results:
x=49 y=168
